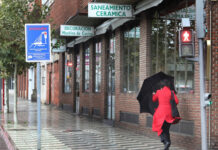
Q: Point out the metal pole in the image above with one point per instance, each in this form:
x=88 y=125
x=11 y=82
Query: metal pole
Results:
x=203 y=108
x=38 y=106
x=201 y=34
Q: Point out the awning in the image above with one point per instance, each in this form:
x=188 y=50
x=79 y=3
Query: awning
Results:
x=78 y=40
x=83 y=20
x=146 y=4
x=112 y=24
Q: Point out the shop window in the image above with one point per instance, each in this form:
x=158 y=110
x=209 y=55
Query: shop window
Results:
x=165 y=52
x=97 y=66
x=68 y=73
x=77 y=71
x=130 y=73
x=86 y=69
x=111 y=65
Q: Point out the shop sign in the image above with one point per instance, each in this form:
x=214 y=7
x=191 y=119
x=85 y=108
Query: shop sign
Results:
x=105 y=10
x=73 y=30
x=188 y=12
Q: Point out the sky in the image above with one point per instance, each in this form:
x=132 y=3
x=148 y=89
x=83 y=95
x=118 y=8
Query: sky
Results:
x=43 y=1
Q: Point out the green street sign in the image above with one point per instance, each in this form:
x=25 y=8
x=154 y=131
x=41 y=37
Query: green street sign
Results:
x=73 y=30
x=105 y=10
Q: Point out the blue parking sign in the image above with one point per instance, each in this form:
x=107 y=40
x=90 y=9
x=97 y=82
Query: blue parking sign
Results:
x=38 y=42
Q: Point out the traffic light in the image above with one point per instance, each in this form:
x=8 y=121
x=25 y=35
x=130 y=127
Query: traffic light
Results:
x=207 y=98
x=186 y=43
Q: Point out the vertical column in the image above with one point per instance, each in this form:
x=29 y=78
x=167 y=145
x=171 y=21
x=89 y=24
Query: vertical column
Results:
x=144 y=55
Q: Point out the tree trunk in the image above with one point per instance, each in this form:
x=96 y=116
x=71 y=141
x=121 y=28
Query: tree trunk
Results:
x=15 y=88
x=6 y=108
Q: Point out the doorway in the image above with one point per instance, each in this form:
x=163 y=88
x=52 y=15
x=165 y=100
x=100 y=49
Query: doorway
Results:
x=77 y=82
x=111 y=80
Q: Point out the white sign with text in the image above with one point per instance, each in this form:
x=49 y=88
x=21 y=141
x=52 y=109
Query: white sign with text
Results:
x=73 y=30
x=105 y=10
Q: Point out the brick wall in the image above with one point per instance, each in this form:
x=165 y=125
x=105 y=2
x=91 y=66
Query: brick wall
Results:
x=214 y=107
x=48 y=88
x=118 y=68
x=22 y=85
x=55 y=84
x=62 y=10
x=84 y=5
x=92 y=100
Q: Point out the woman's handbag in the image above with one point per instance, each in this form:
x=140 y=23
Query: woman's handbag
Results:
x=175 y=112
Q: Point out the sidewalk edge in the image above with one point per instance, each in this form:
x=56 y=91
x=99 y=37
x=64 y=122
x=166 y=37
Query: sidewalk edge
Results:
x=9 y=142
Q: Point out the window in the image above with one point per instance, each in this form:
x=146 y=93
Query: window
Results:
x=68 y=73
x=131 y=60
x=87 y=69
x=77 y=71
x=111 y=66
x=165 y=52
x=97 y=66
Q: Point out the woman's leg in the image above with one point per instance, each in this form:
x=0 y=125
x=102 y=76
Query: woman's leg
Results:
x=162 y=139
x=167 y=131
x=166 y=135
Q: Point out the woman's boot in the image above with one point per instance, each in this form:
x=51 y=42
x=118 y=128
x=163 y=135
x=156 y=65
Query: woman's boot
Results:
x=162 y=139
x=167 y=145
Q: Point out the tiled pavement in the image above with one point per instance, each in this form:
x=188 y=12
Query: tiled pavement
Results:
x=67 y=131
x=3 y=145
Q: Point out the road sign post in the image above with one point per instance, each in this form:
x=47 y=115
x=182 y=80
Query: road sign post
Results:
x=201 y=35
x=38 y=49
x=38 y=106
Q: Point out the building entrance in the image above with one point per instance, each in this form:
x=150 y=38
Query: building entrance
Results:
x=111 y=80
x=77 y=82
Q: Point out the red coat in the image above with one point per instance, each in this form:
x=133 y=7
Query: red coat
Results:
x=163 y=111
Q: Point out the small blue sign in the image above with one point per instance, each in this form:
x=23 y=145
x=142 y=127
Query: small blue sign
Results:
x=38 y=42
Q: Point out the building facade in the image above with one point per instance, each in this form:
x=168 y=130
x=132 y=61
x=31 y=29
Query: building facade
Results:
x=100 y=76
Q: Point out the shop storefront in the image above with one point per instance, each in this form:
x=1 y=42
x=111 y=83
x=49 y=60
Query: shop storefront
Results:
x=102 y=74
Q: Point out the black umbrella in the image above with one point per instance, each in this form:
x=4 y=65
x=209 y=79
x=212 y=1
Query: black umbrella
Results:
x=150 y=85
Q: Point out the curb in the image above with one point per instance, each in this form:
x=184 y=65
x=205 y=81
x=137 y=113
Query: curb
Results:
x=9 y=142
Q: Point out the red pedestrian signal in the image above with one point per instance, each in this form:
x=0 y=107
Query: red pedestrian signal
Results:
x=186 y=36
x=186 y=43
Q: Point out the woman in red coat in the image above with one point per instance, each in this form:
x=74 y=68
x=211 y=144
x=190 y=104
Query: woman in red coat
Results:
x=162 y=118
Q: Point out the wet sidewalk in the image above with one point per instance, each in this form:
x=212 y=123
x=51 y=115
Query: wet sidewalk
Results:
x=3 y=145
x=67 y=131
